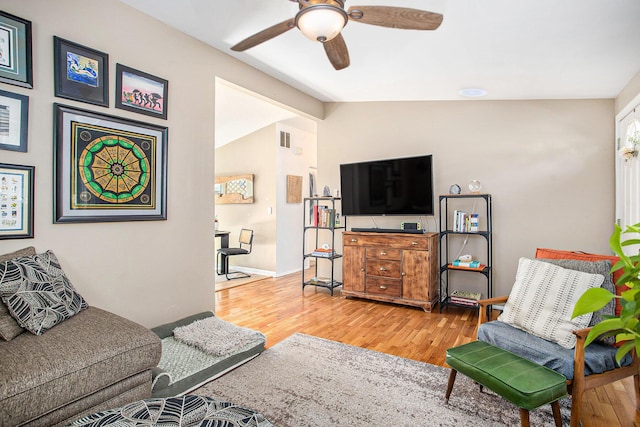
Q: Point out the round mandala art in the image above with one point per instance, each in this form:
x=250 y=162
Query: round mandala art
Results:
x=114 y=169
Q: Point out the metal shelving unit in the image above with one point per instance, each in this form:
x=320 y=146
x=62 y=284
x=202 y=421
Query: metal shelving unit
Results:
x=447 y=233
x=320 y=234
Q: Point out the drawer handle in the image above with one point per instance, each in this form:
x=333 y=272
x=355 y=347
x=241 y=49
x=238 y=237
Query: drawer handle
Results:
x=383 y=269
x=354 y=240
x=383 y=287
x=414 y=243
x=362 y=269
x=383 y=253
x=403 y=273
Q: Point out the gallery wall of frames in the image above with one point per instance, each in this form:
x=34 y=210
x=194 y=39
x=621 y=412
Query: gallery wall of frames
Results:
x=106 y=168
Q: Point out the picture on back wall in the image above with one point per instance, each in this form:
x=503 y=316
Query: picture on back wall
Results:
x=15 y=51
x=141 y=92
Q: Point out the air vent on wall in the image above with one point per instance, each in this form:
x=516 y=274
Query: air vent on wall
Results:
x=285 y=139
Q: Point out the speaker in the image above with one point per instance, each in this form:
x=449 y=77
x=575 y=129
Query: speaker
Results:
x=411 y=226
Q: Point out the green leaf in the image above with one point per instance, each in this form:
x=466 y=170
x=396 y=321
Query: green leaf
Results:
x=624 y=349
x=603 y=327
x=592 y=300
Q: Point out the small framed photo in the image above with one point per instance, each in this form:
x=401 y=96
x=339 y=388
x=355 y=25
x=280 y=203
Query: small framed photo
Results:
x=16 y=66
x=107 y=168
x=140 y=92
x=16 y=201
x=14 y=121
x=80 y=73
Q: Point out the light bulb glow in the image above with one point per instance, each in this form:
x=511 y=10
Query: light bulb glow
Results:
x=321 y=22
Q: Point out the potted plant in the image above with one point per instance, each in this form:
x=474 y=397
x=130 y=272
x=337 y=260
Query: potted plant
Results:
x=626 y=327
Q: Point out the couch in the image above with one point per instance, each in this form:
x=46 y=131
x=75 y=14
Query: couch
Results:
x=89 y=361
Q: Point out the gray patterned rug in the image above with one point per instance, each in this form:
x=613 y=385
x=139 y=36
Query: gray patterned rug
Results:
x=309 y=381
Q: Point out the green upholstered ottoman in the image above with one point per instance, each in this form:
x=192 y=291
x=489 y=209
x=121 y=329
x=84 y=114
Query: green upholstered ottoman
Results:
x=520 y=381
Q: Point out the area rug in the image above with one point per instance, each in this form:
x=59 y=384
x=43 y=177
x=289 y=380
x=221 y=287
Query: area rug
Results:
x=309 y=381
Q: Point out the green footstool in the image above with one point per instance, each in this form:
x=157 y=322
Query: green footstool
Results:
x=520 y=381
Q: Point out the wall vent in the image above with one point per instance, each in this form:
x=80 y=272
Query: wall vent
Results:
x=285 y=139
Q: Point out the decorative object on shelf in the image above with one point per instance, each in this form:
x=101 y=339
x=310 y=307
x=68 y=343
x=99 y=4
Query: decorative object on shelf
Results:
x=16 y=66
x=455 y=189
x=326 y=191
x=234 y=189
x=80 y=73
x=141 y=92
x=16 y=201
x=630 y=149
x=294 y=189
x=474 y=186
x=108 y=168
x=14 y=123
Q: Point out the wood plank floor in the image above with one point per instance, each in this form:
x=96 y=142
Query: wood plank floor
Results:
x=279 y=308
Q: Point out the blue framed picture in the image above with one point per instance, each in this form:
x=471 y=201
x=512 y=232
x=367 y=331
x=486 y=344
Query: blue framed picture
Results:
x=80 y=73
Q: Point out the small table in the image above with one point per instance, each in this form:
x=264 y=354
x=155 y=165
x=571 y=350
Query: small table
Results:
x=224 y=243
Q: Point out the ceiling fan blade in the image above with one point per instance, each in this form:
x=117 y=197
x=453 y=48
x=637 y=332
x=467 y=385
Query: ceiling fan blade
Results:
x=337 y=52
x=264 y=35
x=396 y=17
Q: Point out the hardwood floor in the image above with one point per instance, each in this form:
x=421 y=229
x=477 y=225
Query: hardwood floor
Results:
x=279 y=308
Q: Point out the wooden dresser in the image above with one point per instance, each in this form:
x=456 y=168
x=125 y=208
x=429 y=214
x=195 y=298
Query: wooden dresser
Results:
x=392 y=267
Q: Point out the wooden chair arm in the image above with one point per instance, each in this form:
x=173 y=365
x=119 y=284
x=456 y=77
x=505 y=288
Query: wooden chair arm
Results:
x=484 y=305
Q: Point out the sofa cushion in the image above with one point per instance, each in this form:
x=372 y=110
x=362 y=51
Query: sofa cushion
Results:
x=583 y=256
x=37 y=292
x=598 y=357
x=542 y=300
x=9 y=328
x=79 y=357
x=602 y=267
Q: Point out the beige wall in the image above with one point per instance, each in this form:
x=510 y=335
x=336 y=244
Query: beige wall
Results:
x=628 y=93
x=153 y=271
x=253 y=154
x=548 y=164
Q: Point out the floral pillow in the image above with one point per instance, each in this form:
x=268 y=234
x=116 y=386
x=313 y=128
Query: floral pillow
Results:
x=37 y=292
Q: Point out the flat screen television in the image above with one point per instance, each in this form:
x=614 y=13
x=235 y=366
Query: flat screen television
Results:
x=402 y=186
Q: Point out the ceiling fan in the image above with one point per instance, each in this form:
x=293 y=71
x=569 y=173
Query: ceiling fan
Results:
x=323 y=20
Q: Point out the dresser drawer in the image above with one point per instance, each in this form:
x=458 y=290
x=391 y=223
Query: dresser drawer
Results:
x=383 y=253
x=389 y=240
x=380 y=286
x=383 y=268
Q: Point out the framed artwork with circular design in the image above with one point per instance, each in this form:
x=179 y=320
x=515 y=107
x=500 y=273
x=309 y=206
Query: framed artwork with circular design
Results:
x=108 y=168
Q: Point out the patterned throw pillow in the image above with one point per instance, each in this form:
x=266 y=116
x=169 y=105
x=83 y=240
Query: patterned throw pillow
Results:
x=37 y=292
x=9 y=328
x=602 y=267
x=542 y=300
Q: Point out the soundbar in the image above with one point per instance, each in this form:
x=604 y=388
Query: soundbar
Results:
x=388 y=230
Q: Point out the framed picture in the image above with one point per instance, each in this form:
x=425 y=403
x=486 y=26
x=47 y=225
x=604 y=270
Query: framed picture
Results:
x=16 y=201
x=140 y=92
x=80 y=73
x=14 y=121
x=16 y=66
x=108 y=168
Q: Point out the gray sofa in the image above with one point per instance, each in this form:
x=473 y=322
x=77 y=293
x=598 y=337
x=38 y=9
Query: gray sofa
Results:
x=92 y=361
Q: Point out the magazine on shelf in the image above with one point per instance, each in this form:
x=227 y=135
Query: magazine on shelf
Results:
x=465 y=298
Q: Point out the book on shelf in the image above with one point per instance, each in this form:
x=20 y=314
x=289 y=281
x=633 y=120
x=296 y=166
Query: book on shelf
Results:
x=465 y=222
x=323 y=216
x=316 y=280
x=465 y=298
x=324 y=253
x=469 y=264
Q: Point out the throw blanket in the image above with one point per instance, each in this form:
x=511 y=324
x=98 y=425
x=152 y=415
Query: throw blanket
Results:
x=215 y=336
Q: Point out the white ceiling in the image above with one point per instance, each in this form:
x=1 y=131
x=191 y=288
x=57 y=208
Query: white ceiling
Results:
x=513 y=49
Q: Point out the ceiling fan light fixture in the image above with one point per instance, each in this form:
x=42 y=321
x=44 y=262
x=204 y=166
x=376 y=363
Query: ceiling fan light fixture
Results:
x=321 y=22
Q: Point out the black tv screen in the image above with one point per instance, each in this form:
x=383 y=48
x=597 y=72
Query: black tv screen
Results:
x=401 y=186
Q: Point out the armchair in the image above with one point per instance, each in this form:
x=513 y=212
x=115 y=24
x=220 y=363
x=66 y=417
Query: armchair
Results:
x=584 y=369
